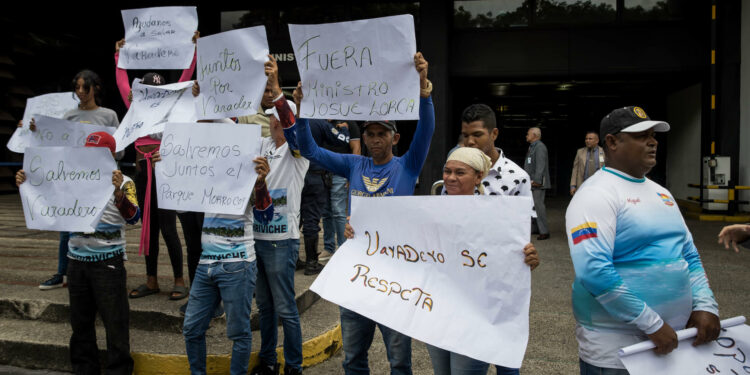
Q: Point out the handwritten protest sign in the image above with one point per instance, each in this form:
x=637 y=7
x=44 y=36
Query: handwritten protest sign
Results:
x=158 y=38
x=152 y=108
x=230 y=72
x=52 y=105
x=207 y=167
x=359 y=70
x=56 y=132
x=66 y=188
x=416 y=267
x=726 y=355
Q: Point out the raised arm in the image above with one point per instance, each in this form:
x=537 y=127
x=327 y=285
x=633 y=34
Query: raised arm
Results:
x=121 y=76
x=420 y=144
x=187 y=74
x=336 y=163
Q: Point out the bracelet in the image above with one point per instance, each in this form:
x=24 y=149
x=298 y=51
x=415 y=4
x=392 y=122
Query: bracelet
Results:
x=427 y=91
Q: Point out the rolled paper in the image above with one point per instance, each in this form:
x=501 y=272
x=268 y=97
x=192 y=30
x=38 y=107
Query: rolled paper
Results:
x=681 y=335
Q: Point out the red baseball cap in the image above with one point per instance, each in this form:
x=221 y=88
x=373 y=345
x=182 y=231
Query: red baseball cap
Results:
x=101 y=139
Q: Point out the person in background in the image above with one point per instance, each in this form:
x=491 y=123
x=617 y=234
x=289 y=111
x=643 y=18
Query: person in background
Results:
x=736 y=234
x=537 y=166
x=335 y=211
x=588 y=160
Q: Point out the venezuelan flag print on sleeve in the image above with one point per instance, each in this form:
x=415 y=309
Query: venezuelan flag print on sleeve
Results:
x=582 y=232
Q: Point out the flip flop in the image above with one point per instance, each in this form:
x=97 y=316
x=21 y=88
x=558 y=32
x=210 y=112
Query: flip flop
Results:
x=142 y=291
x=183 y=292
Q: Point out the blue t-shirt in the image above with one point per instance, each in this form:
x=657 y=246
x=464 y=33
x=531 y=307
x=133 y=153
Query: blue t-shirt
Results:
x=397 y=177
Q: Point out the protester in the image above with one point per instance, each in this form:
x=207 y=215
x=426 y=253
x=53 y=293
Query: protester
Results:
x=479 y=130
x=537 y=166
x=158 y=220
x=335 y=211
x=736 y=234
x=383 y=174
x=588 y=160
x=88 y=88
x=626 y=236
x=227 y=271
x=463 y=174
x=98 y=287
x=277 y=242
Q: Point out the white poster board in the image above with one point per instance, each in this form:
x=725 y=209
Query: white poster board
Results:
x=207 y=167
x=359 y=70
x=52 y=131
x=52 y=105
x=729 y=354
x=158 y=38
x=417 y=264
x=152 y=108
x=66 y=188
x=230 y=73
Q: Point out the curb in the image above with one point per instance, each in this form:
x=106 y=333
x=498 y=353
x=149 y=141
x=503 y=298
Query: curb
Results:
x=314 y=351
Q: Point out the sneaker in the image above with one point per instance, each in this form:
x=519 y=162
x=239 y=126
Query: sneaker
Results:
x=263 y=369
x=292 y=371
x=300 y=265
x=325 y=255
x=218 y=312
x=313 y=268
x=56 y=281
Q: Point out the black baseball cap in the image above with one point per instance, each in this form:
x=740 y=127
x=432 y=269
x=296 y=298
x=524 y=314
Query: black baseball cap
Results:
x=390 y=125
x=629 y=120
x=153 y=79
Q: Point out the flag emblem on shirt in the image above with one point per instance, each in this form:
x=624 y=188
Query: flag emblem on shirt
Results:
x=582 y=232
x=375 y=184
x=666 y=199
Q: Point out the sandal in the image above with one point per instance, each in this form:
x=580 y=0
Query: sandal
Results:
x=142 y=291
x=181 y=292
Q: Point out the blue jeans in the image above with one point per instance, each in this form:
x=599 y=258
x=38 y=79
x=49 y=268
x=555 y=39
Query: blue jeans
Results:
x=62 y=253
x=450 y=363
x=275 y=298
x=234 y=283
x=589 y=369
x=334 y=214
x=357 y=332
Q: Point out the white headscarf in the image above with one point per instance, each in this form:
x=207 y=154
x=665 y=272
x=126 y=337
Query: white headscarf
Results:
x=474 y=158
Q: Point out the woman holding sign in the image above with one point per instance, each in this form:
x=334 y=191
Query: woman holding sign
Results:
x=88 y=88
x=462 y=175
x=157 y=220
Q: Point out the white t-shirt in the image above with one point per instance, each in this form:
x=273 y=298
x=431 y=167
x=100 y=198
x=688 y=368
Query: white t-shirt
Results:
x=285 y=181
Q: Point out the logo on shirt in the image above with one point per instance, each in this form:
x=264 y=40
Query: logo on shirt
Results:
x=375 y=184
x=666 y=199
x=634 y=201
x=583 y=232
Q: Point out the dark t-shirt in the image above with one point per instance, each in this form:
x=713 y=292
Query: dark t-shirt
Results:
x=344 y=135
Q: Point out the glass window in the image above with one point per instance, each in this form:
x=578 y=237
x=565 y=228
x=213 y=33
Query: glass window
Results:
x=575 y=11
x=653 y=10
x=490 y=13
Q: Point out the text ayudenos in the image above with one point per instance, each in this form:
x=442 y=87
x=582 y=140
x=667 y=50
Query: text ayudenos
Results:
x=168 y=147
x=37 y=175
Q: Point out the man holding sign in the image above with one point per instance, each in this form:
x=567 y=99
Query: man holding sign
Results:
x=638 y=272
x=97 y=277
x=381 y=175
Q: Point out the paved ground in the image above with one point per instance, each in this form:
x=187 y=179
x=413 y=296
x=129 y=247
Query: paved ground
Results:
x=552 y=345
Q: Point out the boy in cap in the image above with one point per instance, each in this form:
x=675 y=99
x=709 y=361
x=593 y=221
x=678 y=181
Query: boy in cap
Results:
x=97 y=277
x=626 y=235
